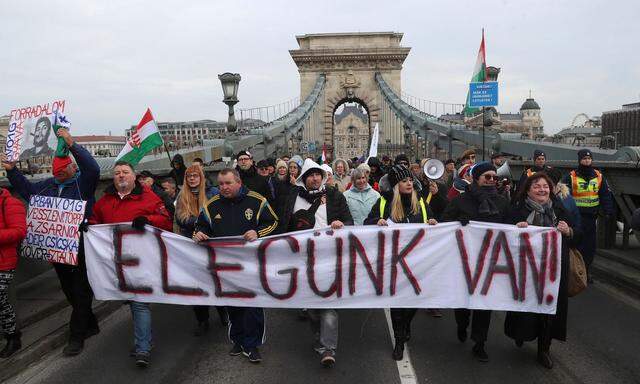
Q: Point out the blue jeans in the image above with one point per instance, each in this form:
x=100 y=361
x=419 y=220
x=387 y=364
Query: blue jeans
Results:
x=141 y=313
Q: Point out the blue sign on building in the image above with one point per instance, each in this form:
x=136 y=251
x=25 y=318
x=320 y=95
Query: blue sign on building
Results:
x=483 y=94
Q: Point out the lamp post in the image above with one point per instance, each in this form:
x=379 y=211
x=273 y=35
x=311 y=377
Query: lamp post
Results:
x=230 y=82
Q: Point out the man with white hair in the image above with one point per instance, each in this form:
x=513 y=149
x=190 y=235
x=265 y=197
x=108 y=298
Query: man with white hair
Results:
x=313 y=204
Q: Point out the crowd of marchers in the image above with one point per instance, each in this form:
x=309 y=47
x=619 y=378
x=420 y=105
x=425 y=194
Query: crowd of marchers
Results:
x=290 y=194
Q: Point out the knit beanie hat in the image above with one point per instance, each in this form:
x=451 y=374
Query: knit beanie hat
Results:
x=481 y=168
x=584 y=153
x=398 y=173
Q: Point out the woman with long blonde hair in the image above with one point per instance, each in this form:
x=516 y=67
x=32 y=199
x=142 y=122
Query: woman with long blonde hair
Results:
x=401 y=204
x=190 y=201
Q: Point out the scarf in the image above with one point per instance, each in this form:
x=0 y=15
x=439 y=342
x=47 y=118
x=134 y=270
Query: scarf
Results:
x=485 y=196
x=195 y=191
x=311 y=196
x=541 y=215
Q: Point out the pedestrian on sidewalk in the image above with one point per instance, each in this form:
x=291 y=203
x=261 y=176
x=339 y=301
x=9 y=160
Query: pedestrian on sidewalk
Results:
x=126 y=200
x=192 y=198
x=237 y=211
x=480 y=202
x=76 y=182
x=537 y=205
x=13 y=228
x=400 y=205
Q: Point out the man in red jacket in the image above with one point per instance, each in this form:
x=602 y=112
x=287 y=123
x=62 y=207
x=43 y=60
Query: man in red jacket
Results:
x=129 y=201
x=13 y=228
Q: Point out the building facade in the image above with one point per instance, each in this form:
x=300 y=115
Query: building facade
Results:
x=102 y=146
x=182 y=134
x=623 y=125
x=351 y=132
x=527 y=122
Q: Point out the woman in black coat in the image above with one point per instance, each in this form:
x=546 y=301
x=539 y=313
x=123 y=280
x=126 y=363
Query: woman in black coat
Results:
x=400 y=205
x=537 y=205
x=480 y=202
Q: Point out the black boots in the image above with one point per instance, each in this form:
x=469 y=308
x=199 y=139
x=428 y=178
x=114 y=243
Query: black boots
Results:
x=398 y=350
x=544 y=357
x=479 y=353
x=13 y=344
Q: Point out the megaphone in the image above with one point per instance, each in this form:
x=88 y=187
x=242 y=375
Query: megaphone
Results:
x=504 y=172
x=433 y=169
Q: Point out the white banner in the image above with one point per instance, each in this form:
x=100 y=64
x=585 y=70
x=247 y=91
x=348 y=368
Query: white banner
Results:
x=373 y=149
x=52 y=229
x=30 y=131
x=478 y=266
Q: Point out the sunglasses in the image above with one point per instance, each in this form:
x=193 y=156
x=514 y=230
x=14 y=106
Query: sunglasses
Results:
x=491 y=177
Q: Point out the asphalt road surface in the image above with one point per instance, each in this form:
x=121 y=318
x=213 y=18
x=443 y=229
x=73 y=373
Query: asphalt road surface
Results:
x=603 y=347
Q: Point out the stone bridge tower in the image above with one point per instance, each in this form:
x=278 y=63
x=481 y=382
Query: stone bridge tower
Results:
x=349 y=61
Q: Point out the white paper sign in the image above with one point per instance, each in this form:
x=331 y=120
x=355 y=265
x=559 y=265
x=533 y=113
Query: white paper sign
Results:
x=30 y=131
x=477 y=266
x=52 y=229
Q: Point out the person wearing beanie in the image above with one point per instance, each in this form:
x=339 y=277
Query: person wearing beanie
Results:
x=376 y=170
x=461 y=180
x=449 y=172
x=402 y=204
x=481 y=202
x=402 y=159
x=313 y=204
x=539 y=165
x=591 y=193
x=76 y=182
x=251 y=178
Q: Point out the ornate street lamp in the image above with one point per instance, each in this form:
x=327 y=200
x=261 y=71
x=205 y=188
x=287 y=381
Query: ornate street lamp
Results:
x=230 y=82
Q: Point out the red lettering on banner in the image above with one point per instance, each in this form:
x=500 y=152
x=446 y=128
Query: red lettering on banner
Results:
x=509 y=269
x=164 y=266
x=399 y=257
x=539 y=278
x=464 y=256
x=293 y=272
x=118 y=234
x=336 y=285
x=356 y=248
x=553 y=269
x=215 y=268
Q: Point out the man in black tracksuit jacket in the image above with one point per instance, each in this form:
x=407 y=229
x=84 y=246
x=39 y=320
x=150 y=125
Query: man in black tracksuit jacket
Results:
x=237 y=211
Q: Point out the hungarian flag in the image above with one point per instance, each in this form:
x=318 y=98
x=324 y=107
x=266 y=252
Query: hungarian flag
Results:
x=479 y=75
x=143 y=140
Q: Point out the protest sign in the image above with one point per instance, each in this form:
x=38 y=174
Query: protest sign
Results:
x=52 y=229
x=477 y=266
x=30 y=131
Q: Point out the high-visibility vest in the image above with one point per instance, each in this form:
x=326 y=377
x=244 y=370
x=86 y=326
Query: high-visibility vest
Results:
x=584 y=192
x=423 y=207
x=530 y=172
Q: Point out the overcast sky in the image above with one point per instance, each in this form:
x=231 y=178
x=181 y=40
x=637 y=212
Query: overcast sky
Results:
x=112 y=59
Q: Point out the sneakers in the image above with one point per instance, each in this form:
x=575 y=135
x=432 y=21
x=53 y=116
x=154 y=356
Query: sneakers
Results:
x=462 y=334
x=479 y=353
x=201 y=329
x=74 y=347
x=253 y=354
x=328 y=359
x=236 y=350
x=142 y=359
